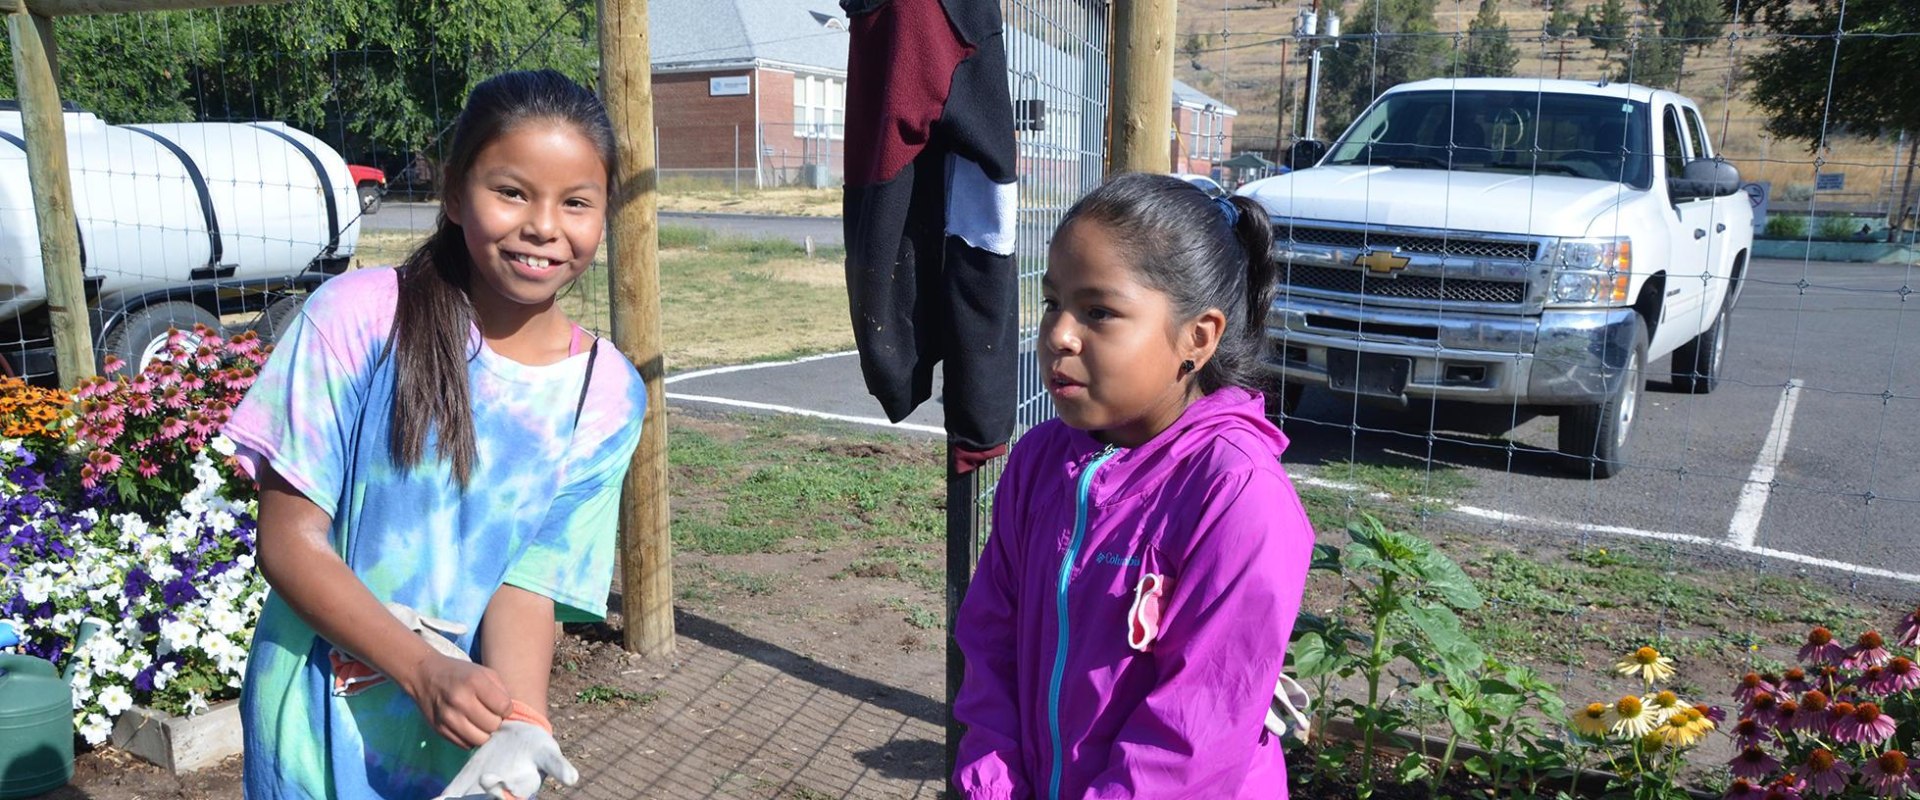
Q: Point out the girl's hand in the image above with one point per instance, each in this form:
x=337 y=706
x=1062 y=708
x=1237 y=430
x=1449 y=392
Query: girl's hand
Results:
x=465 y=702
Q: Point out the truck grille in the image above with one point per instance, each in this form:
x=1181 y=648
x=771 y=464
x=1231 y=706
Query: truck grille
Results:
x=1405 y=287
x=1431 y=245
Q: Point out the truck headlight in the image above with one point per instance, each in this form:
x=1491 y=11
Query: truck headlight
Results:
x=1593 y=271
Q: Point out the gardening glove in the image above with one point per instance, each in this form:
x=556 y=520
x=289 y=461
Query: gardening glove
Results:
x=352 y=676
x=443 y=632
x=1287 y=714
x=513 y=762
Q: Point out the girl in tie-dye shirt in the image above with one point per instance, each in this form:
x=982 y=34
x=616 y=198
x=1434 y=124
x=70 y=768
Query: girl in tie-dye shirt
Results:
x=440 y=453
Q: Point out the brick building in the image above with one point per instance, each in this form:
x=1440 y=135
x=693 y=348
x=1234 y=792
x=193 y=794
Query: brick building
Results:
x=1203 y=135
x=754 y=93
x=750 y=91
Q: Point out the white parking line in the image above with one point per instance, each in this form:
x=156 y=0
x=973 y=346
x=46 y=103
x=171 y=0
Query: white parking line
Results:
x=702 y=373
x=878 y=422
x=1753 y=497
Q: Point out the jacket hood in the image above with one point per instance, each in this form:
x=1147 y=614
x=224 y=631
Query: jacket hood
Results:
x=1231 y=416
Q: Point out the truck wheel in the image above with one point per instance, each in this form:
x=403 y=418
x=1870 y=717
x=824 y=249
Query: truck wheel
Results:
x=1599 y=435
x=369 y=198
x=1696 y=365
x=274 y=320
x=1283 y=399
x=142 y=333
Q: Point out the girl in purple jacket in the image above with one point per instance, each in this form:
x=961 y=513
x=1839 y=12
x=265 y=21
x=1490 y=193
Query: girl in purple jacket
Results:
x=1131 y=611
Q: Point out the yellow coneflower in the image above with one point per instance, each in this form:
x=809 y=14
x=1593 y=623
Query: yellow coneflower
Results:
x=1679 y=730
x=1647 y=663
x=1663 y=705
x=1592 y=720
x=1702 y=724
x=1629 y=718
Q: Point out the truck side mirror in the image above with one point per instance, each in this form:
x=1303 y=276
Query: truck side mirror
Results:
x=1306 y=153
x=1704 y=177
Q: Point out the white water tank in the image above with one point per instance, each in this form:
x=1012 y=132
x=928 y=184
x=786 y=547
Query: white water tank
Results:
x=174 y=205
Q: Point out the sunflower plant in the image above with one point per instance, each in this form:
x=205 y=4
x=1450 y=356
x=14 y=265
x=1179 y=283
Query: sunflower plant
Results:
x=1643 y=737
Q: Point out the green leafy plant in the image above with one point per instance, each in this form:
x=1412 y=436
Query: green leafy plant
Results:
x=1783 y=226
x=1408 y=594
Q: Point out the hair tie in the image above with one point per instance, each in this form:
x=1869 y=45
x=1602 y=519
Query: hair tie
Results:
x=1232 y=211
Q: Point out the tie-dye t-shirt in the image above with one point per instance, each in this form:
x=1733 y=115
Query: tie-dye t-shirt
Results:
x=539 y=512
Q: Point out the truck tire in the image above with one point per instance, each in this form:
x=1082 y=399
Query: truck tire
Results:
x=139 y=335
x=274 y=320
x=1598 y=437
x=1696 y=365
x=369 y=198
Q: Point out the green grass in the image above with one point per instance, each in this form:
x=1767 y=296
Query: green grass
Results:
x=780 y=488
x=920 y=566
x=1398 y=481
x=916 y=615
x=603 y=695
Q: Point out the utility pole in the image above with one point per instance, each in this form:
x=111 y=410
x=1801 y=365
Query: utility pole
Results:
x=1280 y=126
x=1142 y=85
x=1314 y=28
x=646 y=551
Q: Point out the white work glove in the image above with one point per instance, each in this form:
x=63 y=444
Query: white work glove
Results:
x=444 y=632
x=513 y=762
x=1287 y=714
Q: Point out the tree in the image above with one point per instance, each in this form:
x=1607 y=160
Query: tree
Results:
x=1562 y=21
x=1606 y=26
x=1388 y=42
x=382 y=74
x=1695 y=23
x=1489 y=52
x=1813 y=85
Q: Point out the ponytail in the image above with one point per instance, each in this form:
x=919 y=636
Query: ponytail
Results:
x=1255 y=233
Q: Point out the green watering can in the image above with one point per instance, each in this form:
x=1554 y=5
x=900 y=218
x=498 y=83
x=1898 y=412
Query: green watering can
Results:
x=36 y=722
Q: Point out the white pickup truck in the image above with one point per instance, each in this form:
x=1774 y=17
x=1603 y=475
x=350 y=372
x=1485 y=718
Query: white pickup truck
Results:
x=1509 y=242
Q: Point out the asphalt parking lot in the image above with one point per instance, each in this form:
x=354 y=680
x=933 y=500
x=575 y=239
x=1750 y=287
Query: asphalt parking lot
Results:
x=1804 y=459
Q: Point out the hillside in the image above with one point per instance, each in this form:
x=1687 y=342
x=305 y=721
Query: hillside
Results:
x=1241 y=63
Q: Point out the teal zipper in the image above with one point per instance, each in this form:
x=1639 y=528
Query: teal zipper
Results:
x=1060 y=607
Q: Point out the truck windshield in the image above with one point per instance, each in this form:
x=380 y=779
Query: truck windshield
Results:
x=1544 y=133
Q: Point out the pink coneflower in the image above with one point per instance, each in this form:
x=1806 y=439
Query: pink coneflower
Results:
x=1901 y=675
x=1866 y=724
x=1839 y=712
x=1825 y=773
x=1827 y=678
x=239 y=379
x=111 y=363
x=1750 y=685
x=1867 y=679
x=1871 y=651
x=1908 y=632
x=1794 y=682
x=104 y=463
x=1764 y=708
x=1813 y=711
x=141 y=405
x=1786 y=716
x=1820 y=648
x=92 y=387
x=147 y=468
x=1715 y=713
x=1786 y=787
x=1753 y=764
x=202 y=424
x=1888 y=774
x=192 y=382
x=89 y=478
x=141 y=384
x=1742 y=789
x=174 y=397
x=172 y=428
x=1749 y=732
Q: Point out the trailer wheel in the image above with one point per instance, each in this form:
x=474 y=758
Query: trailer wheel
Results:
x=140 y=336
x=273 y=322
x=369 y=198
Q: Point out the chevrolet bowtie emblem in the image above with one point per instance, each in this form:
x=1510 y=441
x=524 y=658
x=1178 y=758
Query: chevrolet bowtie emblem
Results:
x=1381 y=262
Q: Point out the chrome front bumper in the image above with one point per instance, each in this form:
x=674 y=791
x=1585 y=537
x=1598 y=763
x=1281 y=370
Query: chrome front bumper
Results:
x=1571 y=357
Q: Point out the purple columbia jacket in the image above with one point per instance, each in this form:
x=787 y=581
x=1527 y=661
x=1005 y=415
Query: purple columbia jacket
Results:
x=1056 y=702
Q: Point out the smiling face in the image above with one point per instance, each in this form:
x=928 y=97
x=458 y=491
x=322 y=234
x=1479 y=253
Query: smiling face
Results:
x=1110 y=347
x=532 y=210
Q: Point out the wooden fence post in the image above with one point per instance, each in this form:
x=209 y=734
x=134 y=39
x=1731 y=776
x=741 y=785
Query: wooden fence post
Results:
x=646 y=551
x=1143 y=85
x=35 y=69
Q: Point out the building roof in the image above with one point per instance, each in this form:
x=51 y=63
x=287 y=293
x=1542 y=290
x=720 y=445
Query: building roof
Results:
x=808 y=35
x=1185 y=95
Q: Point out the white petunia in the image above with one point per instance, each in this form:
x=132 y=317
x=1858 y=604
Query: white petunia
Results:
x=95 y=729
x=177 y=635
x=115 y=700
x=222 y=445
x=196 y=703
x=37 y=589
